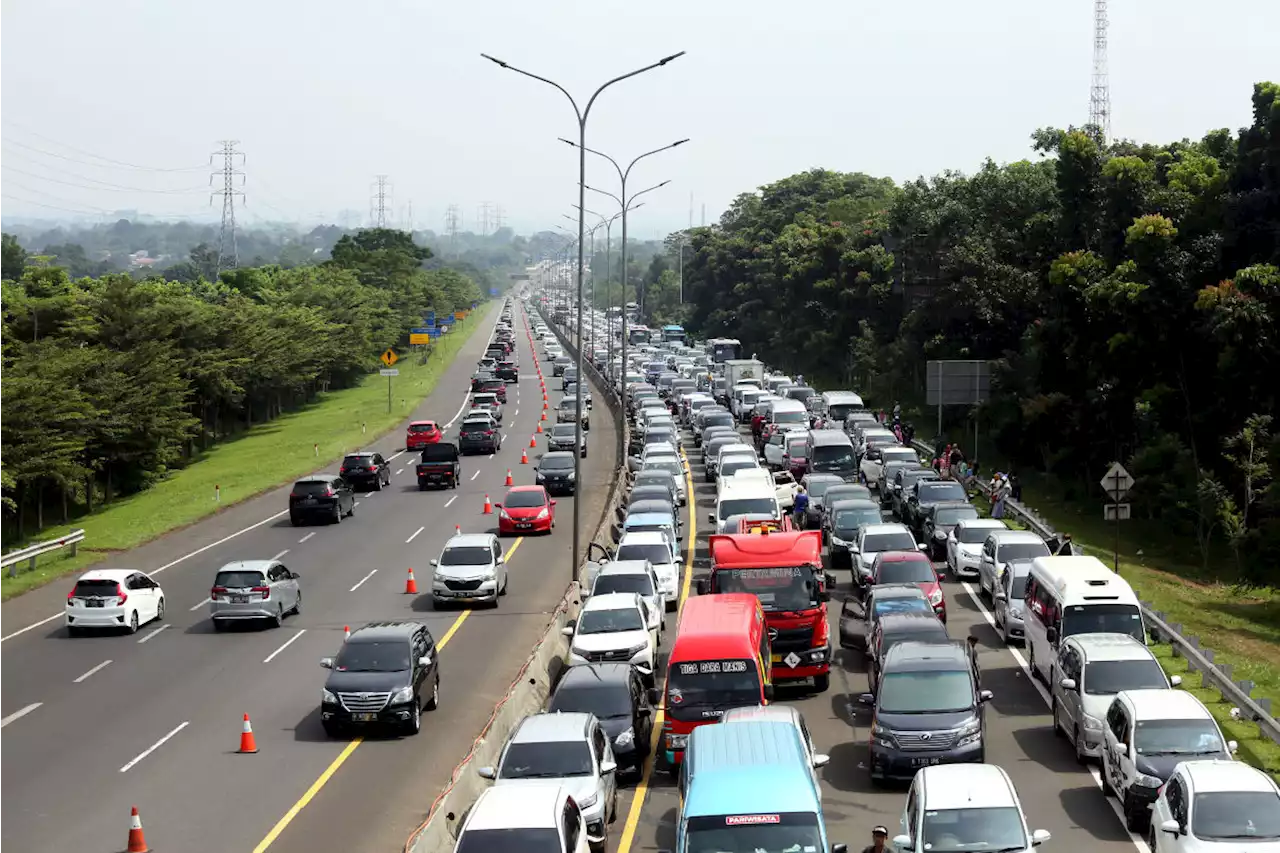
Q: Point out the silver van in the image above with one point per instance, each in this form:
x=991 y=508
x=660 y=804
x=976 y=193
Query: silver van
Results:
x=254 y=589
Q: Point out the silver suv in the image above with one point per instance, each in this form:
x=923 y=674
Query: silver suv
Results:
x=568 y=749
x=471 y=568
x=254 y=589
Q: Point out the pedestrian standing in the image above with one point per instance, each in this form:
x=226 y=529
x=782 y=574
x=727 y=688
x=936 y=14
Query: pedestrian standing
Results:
x=946 y=463
x=879 y=840
x=957 y=456
x=998 y=495
x=1015 y=488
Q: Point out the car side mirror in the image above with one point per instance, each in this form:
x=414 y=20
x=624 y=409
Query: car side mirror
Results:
x=821 y=760
x=985 y=695
x=867 y=698
x=1122 y=749
x=566 y=631
x=903 y=843
x=839 y=848
x=1176 y=681
x=1051 y=634
x=294 y=576
x=1040 y=836
x=1067 y=683
x=711 y=517
x=501 y=560
x=435 y=563
x=922 y=546
x=1172 y=827
x=487 y=773
x=608 y=766
x=1232 y=746
x=553 y=503
x=703 y=587
x=425 y=660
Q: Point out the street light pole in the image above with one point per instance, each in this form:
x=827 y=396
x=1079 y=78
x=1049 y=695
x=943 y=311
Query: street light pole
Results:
x=582 y=115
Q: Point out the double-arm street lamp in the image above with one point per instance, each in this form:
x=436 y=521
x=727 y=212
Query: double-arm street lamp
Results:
x=582 y=115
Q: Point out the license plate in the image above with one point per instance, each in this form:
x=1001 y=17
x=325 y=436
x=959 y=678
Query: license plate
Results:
x=925 y=762
x=308 y=500
x=93 y=602
x=239 y=599
x=524 y=525
x=364 y=718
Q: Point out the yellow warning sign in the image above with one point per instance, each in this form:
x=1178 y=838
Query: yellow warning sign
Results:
x=389 y=358
x=419 y=340
x=459 y=315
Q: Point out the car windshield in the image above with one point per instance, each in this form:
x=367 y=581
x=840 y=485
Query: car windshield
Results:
x=817 y=487
x=1018 y=587
x=477 y=425
x=231 y=580
x=1177 y=737
x=790 y=832
x=1103 y=619
x=612 y=621
x=906 y=571
x=467 y=555
x=749 y=506
x=623 y=583
x=373 y=656
x=976 y=535
x=881 y=606
x=109 y=589
x=556 y=463
x=311 y=487
x=952 y=515
x=778 y=589
x=737 y=463
x=422 y=428
x=524 y=500
x=1107 y=677
x=797 y=417
x=795 y=446
x=848 y=520
x=832 y=457
x=655 y=553
x=923 y=692
x=546 y=760
x=695 y=688
x=671 y=466
x=1236 y=815
x=935 y=492
x=901 y=540
x=564 y=431
x=1021 y=551
x=604 y=699
x=956 y=830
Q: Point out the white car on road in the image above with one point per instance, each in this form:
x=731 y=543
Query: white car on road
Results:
x=613 y=628
x=964 y=545
x=113 y=598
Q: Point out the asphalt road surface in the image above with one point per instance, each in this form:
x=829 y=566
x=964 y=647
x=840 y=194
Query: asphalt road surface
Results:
x=1057 y=794
x=154 y=719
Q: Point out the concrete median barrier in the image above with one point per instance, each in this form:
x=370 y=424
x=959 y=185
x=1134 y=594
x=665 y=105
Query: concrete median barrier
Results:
x=527 y=695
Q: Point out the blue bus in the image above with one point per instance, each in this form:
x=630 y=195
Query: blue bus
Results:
x=674 y=333
x=750 y=786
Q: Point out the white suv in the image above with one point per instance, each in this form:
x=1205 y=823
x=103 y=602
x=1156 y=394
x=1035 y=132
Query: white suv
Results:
x=656 y=547
x=1216 y=805
x=613 y=628
x=964 y=545
x=471 y=568
x=965 y=807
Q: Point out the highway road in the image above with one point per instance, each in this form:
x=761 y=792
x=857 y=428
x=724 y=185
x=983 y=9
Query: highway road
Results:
x=1057 y=794
x=154 y=719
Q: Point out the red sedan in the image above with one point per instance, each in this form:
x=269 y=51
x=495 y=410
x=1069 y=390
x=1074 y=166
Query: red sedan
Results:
x=911 y=567
x=422 y=433
x=526 y=509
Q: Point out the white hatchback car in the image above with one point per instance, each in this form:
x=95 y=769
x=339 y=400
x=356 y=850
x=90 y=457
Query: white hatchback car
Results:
x=113 y=598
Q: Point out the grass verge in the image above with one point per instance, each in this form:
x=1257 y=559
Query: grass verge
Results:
x=257 y=461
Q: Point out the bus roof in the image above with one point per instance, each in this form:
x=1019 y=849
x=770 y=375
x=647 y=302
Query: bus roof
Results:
x=748 y=768
x=766 y=550
x=718 y=626
x=673 y=327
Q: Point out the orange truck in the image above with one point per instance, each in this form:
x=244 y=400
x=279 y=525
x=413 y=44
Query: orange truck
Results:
x=784 y=571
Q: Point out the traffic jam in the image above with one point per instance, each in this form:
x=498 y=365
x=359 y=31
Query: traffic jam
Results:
x=691 y=680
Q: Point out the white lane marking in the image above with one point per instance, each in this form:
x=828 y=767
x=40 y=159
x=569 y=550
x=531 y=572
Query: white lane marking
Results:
x=98 y=668
x=154 y=747
x=281 y=554
x=477 y=473
x=19 y=714
x=268 y=658
x=156 y=631
x=398 y=472
x=1094 y=771
x=415 y=533
x=357 y=503
x=397 y=453
x=466 y=400
x=362 y=580
x=201 y=604
x=517 y=413
x=451 y=500
x=305 y=538
x=367 y=495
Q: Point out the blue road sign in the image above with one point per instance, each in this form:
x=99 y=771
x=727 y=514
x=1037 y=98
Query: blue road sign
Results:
x=493 y=291
x=421 y=330
x=430 y=319
x=474 y=305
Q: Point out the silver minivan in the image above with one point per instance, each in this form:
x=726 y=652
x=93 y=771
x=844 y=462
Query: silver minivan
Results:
x=254 y=589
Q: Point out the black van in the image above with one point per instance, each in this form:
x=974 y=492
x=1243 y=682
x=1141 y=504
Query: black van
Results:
x=929 y=709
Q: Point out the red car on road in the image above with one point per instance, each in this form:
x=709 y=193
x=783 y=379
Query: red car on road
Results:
x=911 y=567
x=526 y=509
x=422 y=433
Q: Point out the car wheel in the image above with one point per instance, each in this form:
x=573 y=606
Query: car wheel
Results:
x=1107 y=790
x=133 y=622
x=295 y=521
x=434 y=701
x=1136 y=817
x=160 y=610
x=337 y=515
x=415 y=722
x=377 y=484
x=352 y=511
x=278 y=619
x=1057 y=721
x=1031 y=660
x=297 y=605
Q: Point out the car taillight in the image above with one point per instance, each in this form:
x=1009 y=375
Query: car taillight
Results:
x=265 y=590
x=121 y=595
x=330 y=493
x=217 y=591
x=71 y=594
x=488 y=433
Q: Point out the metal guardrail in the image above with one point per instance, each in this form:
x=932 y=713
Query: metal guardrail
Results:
x=29 y=554
x=1199 y=659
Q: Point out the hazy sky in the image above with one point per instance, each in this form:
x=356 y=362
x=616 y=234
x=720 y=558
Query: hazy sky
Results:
x=324 y=95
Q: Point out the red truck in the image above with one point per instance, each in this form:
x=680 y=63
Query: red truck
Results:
x=783 y=570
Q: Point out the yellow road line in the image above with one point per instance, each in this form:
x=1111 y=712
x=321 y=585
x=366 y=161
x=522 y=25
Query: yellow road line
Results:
x=655 y=739
x=324 y=777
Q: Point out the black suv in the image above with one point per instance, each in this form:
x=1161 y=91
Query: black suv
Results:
x=507 y=371
x=929 y=709
x=380 y=677
x=366 y=468
x=321 y=496
x=479 y=435
x=555 y=472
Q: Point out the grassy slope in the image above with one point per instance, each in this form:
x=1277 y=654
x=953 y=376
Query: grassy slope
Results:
x=261 y=459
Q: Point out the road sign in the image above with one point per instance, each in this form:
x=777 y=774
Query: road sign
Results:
x=430 y=319
x=493 y=291
x=1117 y=482
x=1115 y=512
x=390 y=372
x=420 y=335
x=389 y=358
x=459 y=316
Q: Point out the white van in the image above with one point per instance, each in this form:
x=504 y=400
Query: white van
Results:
x=747 y=499
x=964 y=807
x=786 y=411
x=1075 y=595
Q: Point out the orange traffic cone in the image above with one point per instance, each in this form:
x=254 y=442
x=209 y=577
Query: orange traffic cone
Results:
x=540 y=427
x=533 y=441
x=247 y=744
x=137 y=841
x=544 y=396
x=544 y=405
x=488 y=506
x=411 y=585
x=509 y=481
x=346 y=633
x=544 y=415
x=524 y=457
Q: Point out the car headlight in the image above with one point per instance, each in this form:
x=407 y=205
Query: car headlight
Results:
x=935 y=597
x=1142 y=780
x=327 y=697
x=573 y=475
x=883 y=737
x=588 y=801
x=969 y=733
x=574 y=650
x=625 y=739
x=836 y=540
x=939 y=535
x=1015 y=612
x=404 y=694
x=1092 y=724
x=677 y=741
x=637 y=649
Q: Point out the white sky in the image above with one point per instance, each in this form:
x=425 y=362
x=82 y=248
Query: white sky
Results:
x=324 y=95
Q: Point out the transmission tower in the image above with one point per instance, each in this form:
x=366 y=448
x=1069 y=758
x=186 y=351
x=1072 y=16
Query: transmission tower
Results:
x=1100 y=90
x=498 y=218
x=378 y=202
x=452 y=222
x=228 y=254
x=483 y=216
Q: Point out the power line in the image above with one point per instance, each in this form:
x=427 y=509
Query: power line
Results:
x=50 y=206
x=105 y=185
x=228 y=252
x=119 y=163
x=378 y=204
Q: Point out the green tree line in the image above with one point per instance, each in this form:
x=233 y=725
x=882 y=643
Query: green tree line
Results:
x=110 y=383
x=1127 y=295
